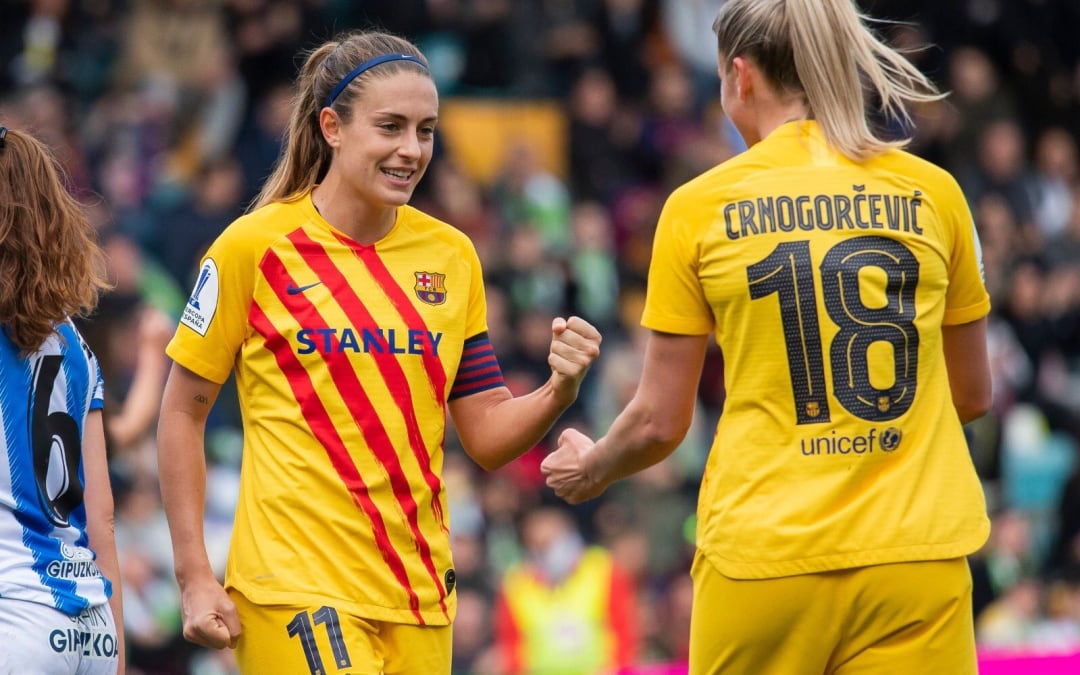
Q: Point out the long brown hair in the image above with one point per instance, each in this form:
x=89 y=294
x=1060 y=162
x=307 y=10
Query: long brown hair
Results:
x=307 y=156
x=824 y=50
x=51 y=267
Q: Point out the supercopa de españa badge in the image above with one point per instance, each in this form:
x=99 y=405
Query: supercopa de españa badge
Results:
x=430 y=287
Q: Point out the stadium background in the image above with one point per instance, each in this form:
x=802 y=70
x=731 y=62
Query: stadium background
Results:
x=565 y=124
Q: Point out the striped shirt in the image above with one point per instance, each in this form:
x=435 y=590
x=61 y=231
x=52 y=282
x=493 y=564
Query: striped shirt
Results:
x=345 y=356
x=44 y=400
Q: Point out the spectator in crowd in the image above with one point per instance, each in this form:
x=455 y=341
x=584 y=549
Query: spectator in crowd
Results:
x=978 y=100
x=1002 y=170
x=567 y=608
x=131 y=336
x=600 y=139
x=1065 y=552
x=1006 y=558
x=1056 y=173
x=215 y=200
x=1009 y=622
x=179 y=49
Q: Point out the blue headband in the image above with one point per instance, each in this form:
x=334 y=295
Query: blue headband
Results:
x=370 y=63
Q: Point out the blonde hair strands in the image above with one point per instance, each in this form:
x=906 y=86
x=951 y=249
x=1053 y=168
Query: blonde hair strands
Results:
x=825 y=51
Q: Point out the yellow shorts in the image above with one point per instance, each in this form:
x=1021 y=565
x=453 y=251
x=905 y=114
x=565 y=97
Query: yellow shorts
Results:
x=279 y=639
x=879 y=620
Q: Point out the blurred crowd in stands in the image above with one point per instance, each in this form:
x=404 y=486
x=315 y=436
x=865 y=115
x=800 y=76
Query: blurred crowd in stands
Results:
x=168 y=113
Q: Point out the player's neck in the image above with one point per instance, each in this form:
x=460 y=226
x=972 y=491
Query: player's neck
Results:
x=357 y=219
x=774 y=116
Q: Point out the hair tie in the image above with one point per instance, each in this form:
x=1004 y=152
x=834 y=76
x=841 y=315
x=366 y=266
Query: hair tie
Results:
x=3 y=136
x=370 y=63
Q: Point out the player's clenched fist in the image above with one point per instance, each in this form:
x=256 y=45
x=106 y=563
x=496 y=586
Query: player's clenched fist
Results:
x=210 y=617
x=575 y=344
x=565 y=468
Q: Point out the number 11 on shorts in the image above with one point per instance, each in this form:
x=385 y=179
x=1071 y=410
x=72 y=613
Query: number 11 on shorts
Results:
x=302 y=626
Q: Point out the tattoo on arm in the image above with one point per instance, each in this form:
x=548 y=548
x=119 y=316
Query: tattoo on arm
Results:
x=201 y=399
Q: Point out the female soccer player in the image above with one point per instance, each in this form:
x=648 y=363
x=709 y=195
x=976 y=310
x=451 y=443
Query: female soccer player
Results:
x=353 y=323
x=59 y=577
x=841 y=277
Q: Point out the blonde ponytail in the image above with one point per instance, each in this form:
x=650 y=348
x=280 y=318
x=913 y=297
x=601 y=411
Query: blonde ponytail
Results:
x=824 y=50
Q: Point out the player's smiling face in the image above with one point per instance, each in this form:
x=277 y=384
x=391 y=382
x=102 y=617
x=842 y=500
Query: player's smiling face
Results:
x=386 y=146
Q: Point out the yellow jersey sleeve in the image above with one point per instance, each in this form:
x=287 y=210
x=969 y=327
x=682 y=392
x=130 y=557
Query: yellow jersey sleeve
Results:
x=966 y=299
x=674 y=299
x=476 y=315
x=214 y=323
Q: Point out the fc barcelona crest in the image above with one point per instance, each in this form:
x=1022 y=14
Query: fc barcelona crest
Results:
x=430 y=287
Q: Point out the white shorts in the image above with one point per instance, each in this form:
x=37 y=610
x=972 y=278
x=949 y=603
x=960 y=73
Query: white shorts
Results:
x=36 y=638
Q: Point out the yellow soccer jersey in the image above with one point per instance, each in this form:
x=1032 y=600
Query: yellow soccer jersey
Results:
x=345 y=356
x=826 y=283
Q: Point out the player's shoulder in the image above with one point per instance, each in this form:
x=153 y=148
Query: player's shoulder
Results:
x=904 y=160
x=269 y=221
x=72 y=336
x=714 y=184
x=256 y=230
x=432 y=228
x=734 y=167
x=930 y=176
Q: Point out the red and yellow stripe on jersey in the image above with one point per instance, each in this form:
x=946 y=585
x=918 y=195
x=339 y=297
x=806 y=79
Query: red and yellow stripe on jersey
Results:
x=827 y=283
x=345 y=356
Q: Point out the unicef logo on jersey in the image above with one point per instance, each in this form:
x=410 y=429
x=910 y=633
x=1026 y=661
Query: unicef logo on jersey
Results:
x=851 y=445
x=890 y=439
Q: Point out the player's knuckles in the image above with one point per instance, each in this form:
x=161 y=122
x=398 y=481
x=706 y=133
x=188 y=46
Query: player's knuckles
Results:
x=195 y=634
x=214 y=641
x=572 y=353
x=562 y=346
x=588 y=349
x=589 y=335
x=579 y=325
x=564 y=366
x=580 y=341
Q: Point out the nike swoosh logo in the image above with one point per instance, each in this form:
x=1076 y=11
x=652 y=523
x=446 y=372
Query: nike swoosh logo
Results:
x=293 y=290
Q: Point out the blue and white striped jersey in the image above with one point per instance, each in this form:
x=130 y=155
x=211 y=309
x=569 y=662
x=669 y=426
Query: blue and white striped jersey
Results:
x=44 y=402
